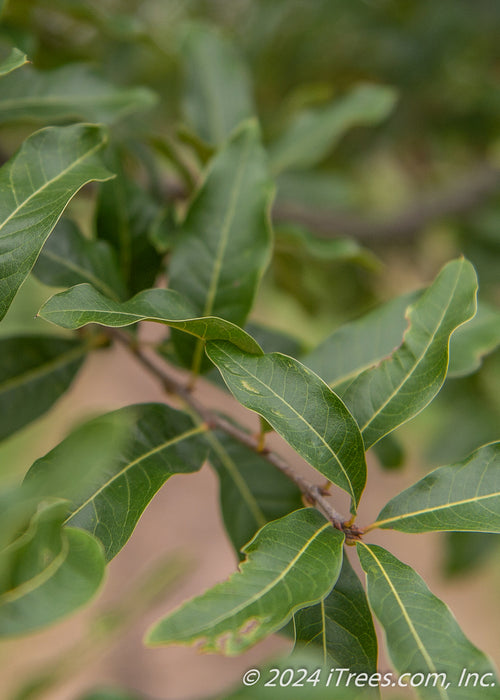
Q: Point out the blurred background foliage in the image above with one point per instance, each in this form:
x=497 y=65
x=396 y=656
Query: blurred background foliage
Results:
x=373 y=216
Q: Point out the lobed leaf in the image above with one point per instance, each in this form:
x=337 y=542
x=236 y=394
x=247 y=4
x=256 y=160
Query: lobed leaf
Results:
x=34 y=373
x=161 y=442
x=341 y=626
x=422 y=635
x=35 y=187
x=313 y=133
x=14 y=60
x=83 y=304
x=72 y=92
x=291 y=562
x=385 y=396
x=460 y=497
x=301 y=408
x=225 y=240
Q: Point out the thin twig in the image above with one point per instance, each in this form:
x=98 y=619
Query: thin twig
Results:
x=313 y=494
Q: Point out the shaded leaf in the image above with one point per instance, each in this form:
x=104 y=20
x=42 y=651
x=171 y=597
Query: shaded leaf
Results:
x=69 y=258
x=466 y=552
x=83 y=304
x=34 y=373
x=161 y=442
x=14 y=60
x=422 y=634
x=298 y=239
x=341 y=626
x=72 y=92
x=313 y=133
x=225 y=241
x=36 y=185
x=301 y=408
x=291 y=562
x=385 y=396
x=252 y=491
x=218 y=93
x=108 y=694
x=459 y=497
x=473 y=341
x=390 y=452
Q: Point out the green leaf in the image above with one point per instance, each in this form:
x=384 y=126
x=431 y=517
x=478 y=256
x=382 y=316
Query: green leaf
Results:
x=225 y=241
x=161 y=442
x=390 y=453
x=58 y=571
x=83 y=304
x=73 y=92
x=466 y=552
x=218 y=94
x=385 y=396
x=252 y=491
x=14 y=60
x=34 y=373
x=69 y=258
x=473 y=341
x=36 y=185
x=108 y=694
x=301 y=408
x=291 y=562
x=313 y=133
x=341 y=626
x=459 y=497
x=360 y=344
x=422 y=634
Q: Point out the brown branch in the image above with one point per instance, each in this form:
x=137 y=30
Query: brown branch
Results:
x=462 y=198
x=312 y=493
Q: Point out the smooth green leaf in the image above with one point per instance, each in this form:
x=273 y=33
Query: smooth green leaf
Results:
x=252 y=491
x=217 y=93
x=35 y=186
x=360 y=344
x=422 y=634
x=35 y=371
x=72 y=92
x=313 y=133
x=466 y=552
x=389 y=452
x=473 y=341
x=83 y=304
x=301 y=408
x=459 y=497
x=14 y=60
x=161 y=442
x=225 y=241
x=341 y=626
x=295 y=238
x=291 y=562
x=108 y=694
x=385 y=396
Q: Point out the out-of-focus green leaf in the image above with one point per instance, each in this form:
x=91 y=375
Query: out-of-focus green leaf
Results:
x=83 y=304
x=34 y=373
x=161 y=442
x=465 y=552
x=295 y=238
x=459 y=497
x=301 y=408
x=218 y=93
x=385 y=396
x=274 y=340
x=390 y=452
x=474 y=340
x=14 y=60
x=422 y=634
x=73 y=92
x=108 y=694
x=313 y=133
x=36 y=185
x=225 y=241
x=341 y=626
x=291 y=562
x=360 y=344
x=69 y=258
x=252 y=491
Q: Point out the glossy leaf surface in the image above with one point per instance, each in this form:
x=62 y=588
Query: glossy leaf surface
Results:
x=301 y=408
x=422 y=634
x=83 y=304
x=161 y=442
x=459 y=497
x=35 y=371
x=385 y=396
x=36 y=185
x=291 y=562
